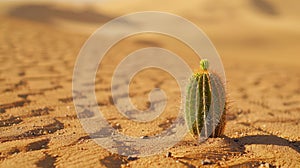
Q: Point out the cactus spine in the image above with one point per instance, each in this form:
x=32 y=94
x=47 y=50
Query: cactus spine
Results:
x=205 y=103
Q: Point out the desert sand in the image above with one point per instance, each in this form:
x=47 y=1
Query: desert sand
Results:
x=258 y=41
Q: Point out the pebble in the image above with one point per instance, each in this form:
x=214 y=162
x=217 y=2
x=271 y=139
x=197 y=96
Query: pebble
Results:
x=132 y=158
x=266 y=165
x=117 y=126
x=169 y=154
x=206 y=162
x=144 y=137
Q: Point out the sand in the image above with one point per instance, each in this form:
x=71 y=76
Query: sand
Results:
x=258 y=42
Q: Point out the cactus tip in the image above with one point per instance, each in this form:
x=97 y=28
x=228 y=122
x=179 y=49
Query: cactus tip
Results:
x=204 y=64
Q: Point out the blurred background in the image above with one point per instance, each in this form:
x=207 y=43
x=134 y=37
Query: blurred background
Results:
x=268 y=30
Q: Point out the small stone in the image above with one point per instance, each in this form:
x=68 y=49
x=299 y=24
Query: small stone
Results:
x=144 y=137
x=117 y=126
x=169 y=154
x=206 y=162
x=132 y=158
x=267 y=165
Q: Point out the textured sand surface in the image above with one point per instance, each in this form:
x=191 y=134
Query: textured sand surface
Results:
x=258 y=41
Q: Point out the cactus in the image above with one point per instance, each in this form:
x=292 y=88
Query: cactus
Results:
x=205 y=103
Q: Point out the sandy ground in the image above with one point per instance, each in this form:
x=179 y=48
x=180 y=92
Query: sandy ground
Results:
x=258 y=41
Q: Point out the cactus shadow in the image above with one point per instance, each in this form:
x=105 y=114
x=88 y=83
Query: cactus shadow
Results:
x=262 y=140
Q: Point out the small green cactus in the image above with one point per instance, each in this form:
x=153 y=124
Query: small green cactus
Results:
x=205 y=103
